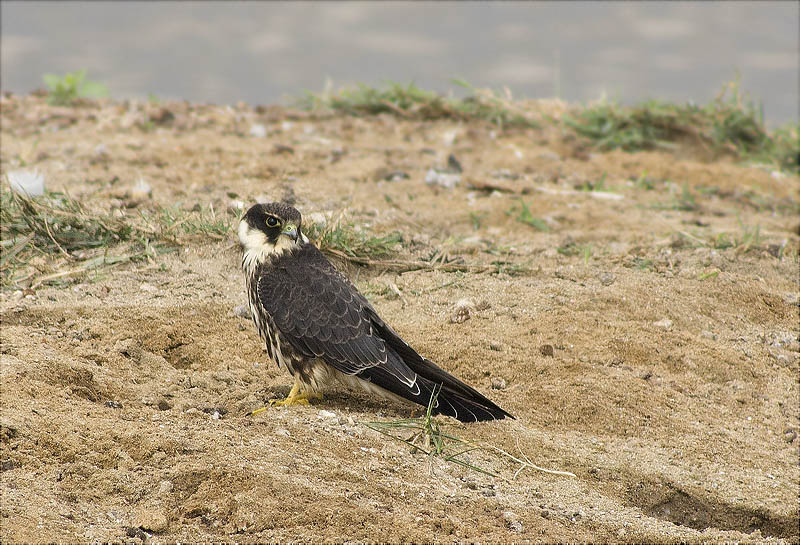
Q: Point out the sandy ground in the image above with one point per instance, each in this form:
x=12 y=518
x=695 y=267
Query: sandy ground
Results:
x=663 y=373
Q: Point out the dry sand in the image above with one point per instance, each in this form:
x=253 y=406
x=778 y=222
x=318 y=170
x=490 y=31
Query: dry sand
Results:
x=663 y=374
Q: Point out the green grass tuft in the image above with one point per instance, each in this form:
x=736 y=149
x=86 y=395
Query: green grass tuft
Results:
x=730 y=123
x=56 y=236
x=525 y=216
x=428 y=438
x=409 y=101
x=65 y=90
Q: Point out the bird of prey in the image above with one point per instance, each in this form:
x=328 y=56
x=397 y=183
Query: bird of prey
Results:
x=318 y=326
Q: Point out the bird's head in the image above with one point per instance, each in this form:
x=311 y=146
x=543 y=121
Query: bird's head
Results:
x=270 y=229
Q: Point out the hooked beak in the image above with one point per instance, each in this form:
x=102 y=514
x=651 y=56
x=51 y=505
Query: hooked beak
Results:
x=291 y=231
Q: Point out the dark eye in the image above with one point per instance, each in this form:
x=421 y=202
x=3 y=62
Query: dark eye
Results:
x=271 y=221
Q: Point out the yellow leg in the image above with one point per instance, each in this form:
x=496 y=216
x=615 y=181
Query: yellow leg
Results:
x=295 y=397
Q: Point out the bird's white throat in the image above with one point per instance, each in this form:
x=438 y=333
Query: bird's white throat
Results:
x=257 y=248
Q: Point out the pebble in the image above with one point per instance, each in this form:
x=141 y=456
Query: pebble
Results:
x=101 y=151
x=453 y=164
x=165 y=487
x=511 y=521
x=497 y=347
x=549 y=155
x=27 y=182
x=258 y=130
x=789 y=435
x=462 y=311
x=547 y=350
x=498 y=383
x=283 y=432
x=606 y=278
x=327 y=414
x=448 y=180
x=242 y=311
x=666 y=323
x=396 y=175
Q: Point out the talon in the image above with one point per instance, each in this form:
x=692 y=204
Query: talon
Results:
x=295 y=397
x=299 y=399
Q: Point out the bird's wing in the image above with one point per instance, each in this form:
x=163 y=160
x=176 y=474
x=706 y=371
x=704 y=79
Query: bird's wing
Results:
x=321 y=314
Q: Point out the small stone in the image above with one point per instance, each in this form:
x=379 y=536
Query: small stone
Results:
x=462 y=311
x=133 y=531
x=165 y=487
x=512 y=522
x=789 y=435
x=101 y=151
x=327 y=414
x=26 y=182
x=497 y=347
x=163 y=405
x=282 y=149
x=258 y=130
x=547 y=350
x=242 y=311
x=448 y=180
x=396 y=175
x=606 y=278
x=8 y=431
x=549 y=155
x=453 y=164
x=666 y=323
x=708 y=335
x=111 y=404
x=283 y=432
x=498 y=383
x=6 y=465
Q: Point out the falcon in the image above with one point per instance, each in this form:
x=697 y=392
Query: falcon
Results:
x=318 y=327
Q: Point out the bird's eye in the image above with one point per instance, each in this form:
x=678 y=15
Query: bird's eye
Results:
x=271 y=221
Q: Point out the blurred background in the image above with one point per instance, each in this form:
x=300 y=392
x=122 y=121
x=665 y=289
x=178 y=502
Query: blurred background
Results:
x=265 y=52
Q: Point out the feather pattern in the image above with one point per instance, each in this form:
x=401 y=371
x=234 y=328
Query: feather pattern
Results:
x=322 y=315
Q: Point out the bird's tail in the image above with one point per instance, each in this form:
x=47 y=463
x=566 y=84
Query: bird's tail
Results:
x=454 y=397
x=446 y=401
x=449 y=396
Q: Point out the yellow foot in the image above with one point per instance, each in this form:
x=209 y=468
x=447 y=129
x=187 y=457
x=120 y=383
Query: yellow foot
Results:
x=295 y=397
